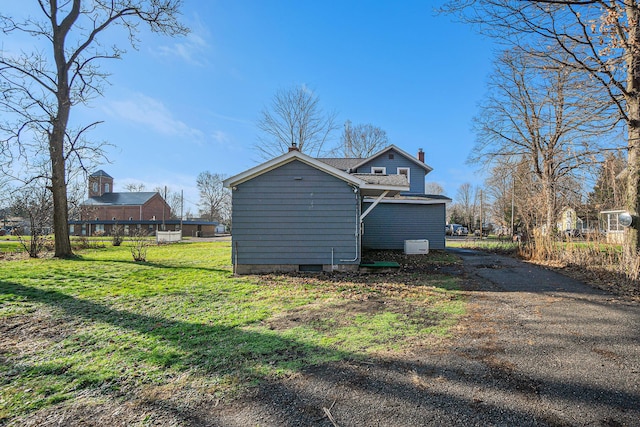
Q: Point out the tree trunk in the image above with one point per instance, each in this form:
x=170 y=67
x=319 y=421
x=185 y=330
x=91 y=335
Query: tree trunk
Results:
x=57 y=135
x=59 y=191
x=549 y=208
x=632 y=242
x=59 y=184
x=632 y=58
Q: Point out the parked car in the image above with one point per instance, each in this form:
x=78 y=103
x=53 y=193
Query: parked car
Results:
x=462 y=231
x=452 y=229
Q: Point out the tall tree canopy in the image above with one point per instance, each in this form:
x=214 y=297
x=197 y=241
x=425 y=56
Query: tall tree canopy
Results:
x=550 y=117
x=362 y=140
x=600 y=38
x=40 y=87
x=215 y=199
x=294 y=117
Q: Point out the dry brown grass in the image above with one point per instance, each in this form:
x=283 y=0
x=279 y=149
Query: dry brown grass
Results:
x=593 y=261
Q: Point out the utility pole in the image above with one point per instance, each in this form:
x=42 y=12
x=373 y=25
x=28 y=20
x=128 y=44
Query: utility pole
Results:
x=165 y=201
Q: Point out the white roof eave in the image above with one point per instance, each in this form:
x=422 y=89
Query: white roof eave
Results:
x=284 y=159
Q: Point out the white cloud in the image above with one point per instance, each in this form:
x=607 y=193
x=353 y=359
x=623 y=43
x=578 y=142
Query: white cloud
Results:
x=220 y=137
x=153 y=114
x=191 y=48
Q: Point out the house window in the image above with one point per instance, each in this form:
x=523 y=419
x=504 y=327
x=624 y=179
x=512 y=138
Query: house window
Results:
x=72 y=229
x=106 y=187
x=99 y=228
x=95 y=187
x=405 y=172
x=379 y=170
x=391 y=156
x=114 y=218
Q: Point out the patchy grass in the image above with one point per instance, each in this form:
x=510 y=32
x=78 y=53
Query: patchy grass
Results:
x=102 y=328
x=491 y=244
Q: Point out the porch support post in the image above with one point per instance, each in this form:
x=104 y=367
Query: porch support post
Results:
x=373 y=205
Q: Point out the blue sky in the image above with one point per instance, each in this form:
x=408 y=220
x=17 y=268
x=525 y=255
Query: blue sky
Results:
x=180 y=106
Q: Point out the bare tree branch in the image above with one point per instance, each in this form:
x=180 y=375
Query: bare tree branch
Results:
x=40 y=88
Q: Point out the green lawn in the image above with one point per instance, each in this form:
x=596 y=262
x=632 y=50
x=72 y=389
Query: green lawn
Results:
x=105 y=326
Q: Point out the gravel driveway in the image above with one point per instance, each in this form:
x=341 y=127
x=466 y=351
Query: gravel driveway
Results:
x=535 y=349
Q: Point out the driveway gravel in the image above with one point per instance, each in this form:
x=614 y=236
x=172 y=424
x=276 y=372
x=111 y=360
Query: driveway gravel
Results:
x=536 y=348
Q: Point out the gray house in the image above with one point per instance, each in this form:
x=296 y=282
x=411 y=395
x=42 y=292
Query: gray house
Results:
x=298 y=213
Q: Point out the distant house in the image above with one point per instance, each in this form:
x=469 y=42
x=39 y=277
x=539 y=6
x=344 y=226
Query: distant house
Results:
x=105 y=209
x=299 y=213
x=569 y=220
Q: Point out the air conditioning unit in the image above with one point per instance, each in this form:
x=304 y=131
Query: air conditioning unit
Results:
x=416 y=247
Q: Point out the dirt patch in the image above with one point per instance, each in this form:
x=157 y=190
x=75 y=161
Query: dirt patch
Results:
x=33 y=332
x=330 y=315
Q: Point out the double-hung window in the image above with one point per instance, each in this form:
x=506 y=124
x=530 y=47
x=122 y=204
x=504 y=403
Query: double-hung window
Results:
x=405 y=172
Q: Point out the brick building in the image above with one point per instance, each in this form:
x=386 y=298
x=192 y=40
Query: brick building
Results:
x=105 y=209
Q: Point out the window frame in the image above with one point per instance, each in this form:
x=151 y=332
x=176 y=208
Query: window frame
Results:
x=408 y=174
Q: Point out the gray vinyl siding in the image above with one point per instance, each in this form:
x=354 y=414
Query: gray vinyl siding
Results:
x=293 y=215
x=417 y=174
x=388 y=225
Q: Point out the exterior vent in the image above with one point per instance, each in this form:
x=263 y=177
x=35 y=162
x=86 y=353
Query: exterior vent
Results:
x=310 y=268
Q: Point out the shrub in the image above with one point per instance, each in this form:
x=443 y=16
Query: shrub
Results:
x=139 y=245
x=117 y=235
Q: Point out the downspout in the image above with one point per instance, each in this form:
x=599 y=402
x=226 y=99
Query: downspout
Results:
x=357 y=233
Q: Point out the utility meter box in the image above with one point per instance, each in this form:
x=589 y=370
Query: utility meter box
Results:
x=416 y=247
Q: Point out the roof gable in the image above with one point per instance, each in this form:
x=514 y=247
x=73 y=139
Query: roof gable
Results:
x=361 y=182
x=284 y=159
x=403 y=153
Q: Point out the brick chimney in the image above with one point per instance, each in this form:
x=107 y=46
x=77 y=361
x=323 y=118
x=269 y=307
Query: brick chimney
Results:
x=294 y=147
x=421 y=155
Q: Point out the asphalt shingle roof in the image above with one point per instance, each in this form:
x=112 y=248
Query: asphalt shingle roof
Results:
x=380 y=179
x=129 y=198
x=344 y=164
x=100 y=173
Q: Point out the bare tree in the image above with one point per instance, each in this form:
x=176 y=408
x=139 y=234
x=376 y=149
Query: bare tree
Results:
x=600 y=38
x=294 y=118
x=173 y=199
x=135 y=187
x=609 y=189
x=362 y=140
x=550 y=116
x=215 y=199
x=499 y=187
x=467 y=204
x=433 y=188
x=35 y=203
x=40 y=88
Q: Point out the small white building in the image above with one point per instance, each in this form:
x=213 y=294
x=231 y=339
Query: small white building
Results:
x=615 y=231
